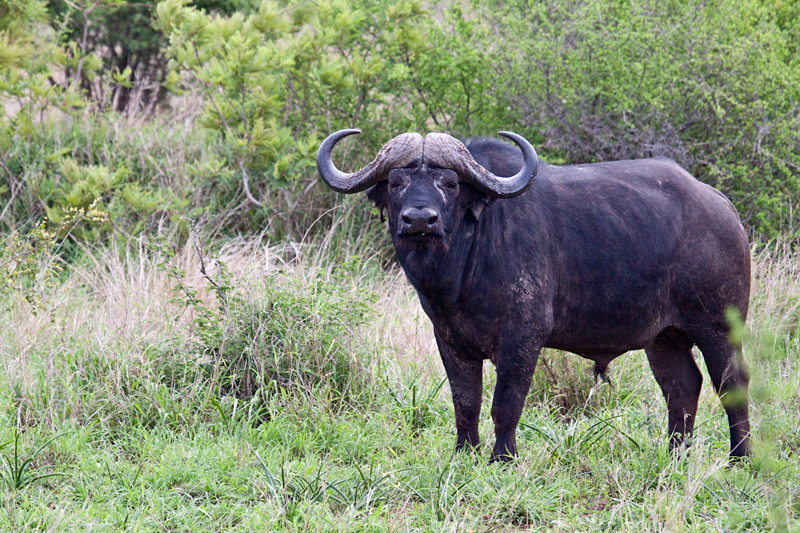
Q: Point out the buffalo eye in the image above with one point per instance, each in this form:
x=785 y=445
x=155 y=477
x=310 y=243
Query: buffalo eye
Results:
x=397 y=181
x=447 y=181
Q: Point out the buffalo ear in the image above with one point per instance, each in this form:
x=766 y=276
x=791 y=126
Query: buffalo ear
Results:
x=379 y=195
x=476 y=207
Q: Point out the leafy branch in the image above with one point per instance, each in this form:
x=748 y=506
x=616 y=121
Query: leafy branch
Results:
x=28 y=263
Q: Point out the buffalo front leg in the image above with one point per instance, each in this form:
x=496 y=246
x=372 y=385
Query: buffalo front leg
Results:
x=466 y=384
x=680 y=380
x=514 y=374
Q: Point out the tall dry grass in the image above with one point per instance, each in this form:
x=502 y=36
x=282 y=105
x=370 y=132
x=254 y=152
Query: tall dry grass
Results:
x=119 y=305
x=120 y=314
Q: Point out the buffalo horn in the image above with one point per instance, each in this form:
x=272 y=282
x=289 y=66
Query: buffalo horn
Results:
x=401 y=151
x=444 y=151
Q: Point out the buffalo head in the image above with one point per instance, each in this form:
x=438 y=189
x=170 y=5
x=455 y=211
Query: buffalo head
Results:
x=425 y=184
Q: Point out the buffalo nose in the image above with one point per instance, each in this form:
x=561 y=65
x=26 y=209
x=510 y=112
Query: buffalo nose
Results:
x=419 y=219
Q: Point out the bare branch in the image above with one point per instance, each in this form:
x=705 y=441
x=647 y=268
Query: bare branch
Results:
x=246 y=184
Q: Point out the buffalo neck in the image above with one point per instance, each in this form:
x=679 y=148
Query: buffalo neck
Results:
x=448 y=272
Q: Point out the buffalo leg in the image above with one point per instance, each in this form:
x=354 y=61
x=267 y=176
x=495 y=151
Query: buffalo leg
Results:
x=680 y=380
x=466 y=385
x=514 y=376
x=730 y=377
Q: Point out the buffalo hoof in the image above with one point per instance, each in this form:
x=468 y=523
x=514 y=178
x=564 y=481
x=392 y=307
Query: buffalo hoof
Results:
x=503 y=459
x=740 y=459
x=468 y=444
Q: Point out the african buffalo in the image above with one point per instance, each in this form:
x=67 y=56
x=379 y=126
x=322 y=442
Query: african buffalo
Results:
x=595 y=259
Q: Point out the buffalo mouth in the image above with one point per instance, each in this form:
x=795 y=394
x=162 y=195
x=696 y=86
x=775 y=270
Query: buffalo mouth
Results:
x=421 y=236
x=420 y=240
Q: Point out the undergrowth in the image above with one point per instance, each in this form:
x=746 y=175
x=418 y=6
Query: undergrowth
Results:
x=278 y=335
x=285 y=392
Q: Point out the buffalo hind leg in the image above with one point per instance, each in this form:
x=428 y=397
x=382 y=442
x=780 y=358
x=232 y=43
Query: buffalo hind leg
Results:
x=466 y=386
x=730 y=377
x=514 y=377
x=676 y=372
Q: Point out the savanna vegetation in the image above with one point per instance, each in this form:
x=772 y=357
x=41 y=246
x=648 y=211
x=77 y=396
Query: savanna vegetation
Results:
x=196 y=335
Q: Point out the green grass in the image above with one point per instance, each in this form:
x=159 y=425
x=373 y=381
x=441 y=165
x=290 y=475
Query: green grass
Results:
x=151 y=435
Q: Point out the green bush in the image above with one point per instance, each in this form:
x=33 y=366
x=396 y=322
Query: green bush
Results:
x=296 y=336
x=130 y=49
x=121 y=37
x=714 y=85
x=279 y=80
x=29 y=264
x=69 y=162
x=29 y=58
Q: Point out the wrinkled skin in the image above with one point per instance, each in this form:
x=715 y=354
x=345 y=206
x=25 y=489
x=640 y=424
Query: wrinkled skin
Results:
x=593 y=259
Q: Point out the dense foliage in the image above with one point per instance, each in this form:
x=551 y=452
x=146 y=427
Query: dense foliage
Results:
x=714 y=85
x=278 y=80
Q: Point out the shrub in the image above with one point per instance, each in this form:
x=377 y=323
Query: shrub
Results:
x=297 y=336
x=277 y=81
x=714 y=85
x=28 y=264
x=121 y=36
x=28 y=59
x=121 y=39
